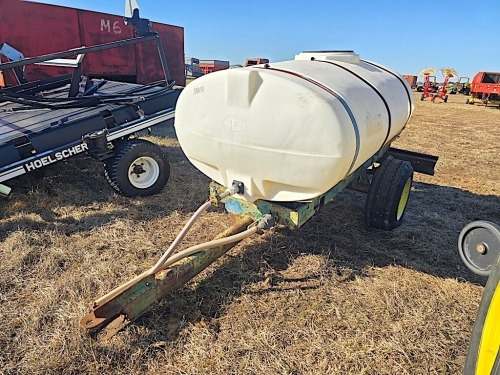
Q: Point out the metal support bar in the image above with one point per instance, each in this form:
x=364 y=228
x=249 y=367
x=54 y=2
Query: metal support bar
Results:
x=38 y=86
x=294 y=214
x=163 y=58
x=14 y=55
x=291 y=214
x=115 y=314
x=76 y=51
x=75 y=81
x=421 y=163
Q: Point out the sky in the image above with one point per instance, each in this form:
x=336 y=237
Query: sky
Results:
x=406 y=36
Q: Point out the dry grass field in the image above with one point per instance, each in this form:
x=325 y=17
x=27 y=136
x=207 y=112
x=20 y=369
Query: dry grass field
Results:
x=336 y=297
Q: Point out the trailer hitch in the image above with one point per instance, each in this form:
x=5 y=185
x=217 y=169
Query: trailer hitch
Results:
x=123 y=305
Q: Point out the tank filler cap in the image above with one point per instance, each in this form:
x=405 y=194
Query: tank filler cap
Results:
x=343 y=56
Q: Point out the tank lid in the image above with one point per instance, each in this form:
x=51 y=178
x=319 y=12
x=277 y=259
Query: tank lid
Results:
x=344 y=56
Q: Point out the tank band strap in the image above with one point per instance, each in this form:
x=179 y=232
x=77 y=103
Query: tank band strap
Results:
x=374 y=89
x=400 y=80
x=337 y=96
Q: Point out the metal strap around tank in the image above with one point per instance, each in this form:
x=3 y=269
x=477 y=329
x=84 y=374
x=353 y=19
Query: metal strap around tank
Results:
x=400 y=80
x=373 y=88
x=336 y=95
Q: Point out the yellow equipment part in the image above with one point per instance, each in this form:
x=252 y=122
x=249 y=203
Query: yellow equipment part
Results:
x=483 y=357
x=490 y=341
x=404 y=199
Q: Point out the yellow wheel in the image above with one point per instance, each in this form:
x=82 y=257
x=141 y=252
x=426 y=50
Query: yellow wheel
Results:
x=388 y=194
x=403 y=201
x=483 y=357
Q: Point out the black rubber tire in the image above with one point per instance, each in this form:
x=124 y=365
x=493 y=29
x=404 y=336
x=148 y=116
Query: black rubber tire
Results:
x=446 y=99
x=117 y=168
x=472 y=359
x=422 y=97
x=382 y=208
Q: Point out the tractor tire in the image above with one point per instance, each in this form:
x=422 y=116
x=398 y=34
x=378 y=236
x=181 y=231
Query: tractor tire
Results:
x=139 y=168
x=483 y=356
x=388 y=194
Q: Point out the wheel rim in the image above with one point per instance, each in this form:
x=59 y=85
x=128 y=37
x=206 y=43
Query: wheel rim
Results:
x=490 y=338
x=479 y=246
x=143 y=172
x=404 y=199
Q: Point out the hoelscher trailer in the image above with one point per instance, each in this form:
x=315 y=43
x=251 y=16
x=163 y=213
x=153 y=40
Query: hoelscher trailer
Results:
x=47 y=121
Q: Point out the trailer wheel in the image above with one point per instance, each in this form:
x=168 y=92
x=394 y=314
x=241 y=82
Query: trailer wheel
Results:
x=422 y=97
x=445 y=99
x=388 y=194
x=139 y=168
x=479 y=246
x=483 y=356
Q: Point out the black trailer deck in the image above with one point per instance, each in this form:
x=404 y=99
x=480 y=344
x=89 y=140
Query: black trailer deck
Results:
x=32 y=138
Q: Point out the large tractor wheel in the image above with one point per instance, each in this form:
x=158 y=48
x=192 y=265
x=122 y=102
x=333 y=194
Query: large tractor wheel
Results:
x=479 y=247
x=388 y=194
x=139 y=168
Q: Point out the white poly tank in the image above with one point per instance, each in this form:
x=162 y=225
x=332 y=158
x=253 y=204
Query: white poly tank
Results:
x=291 y=130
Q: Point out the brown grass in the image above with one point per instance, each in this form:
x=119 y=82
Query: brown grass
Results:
x=335 y=297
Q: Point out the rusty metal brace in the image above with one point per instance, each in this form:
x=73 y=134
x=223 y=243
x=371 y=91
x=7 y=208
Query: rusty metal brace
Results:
x=110 y=316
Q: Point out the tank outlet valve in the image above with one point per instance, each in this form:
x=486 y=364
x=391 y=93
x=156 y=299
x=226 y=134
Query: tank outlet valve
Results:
x=236 y=188
x=266 y=222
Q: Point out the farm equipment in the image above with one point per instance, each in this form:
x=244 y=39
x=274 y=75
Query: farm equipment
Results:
x=462 y=86
x=479 y=248
x=39 y=29
x=412 y=80
x=268 y=170
x=430 y=90
x=485 y=88
x=255 y=61
x=429 y=85
x=50 y=120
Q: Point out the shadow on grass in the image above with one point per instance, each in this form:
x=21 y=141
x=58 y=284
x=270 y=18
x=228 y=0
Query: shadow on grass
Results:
x=79 y=186
x=426 y=242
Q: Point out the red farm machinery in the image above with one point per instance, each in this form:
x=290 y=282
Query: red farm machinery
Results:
x=37 y=29
x=431 y=90
x=485 y=88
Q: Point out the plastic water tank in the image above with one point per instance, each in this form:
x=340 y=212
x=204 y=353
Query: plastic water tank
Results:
x=291 y=130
